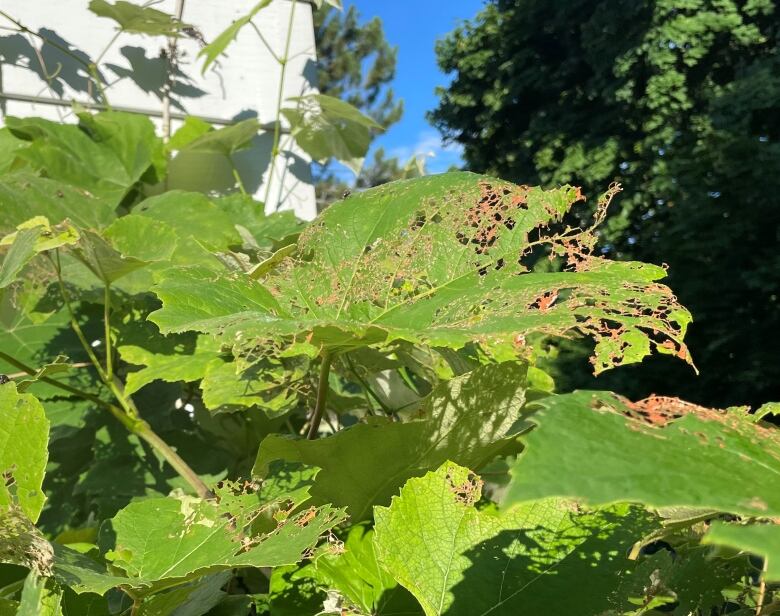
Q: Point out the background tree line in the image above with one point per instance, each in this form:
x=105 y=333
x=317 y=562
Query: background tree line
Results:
x=679 y=102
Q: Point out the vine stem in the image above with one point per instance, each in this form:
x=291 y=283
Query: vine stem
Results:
x=322 y=394
x=283 y=61
x=170 y=66
x=107 y=331
x=128 y=415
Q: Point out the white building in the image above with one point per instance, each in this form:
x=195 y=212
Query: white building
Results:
x=38 y=79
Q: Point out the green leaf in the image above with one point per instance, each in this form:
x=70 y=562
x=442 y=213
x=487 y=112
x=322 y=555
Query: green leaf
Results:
x=326 y=127
x=227 y=140
x=170 y=367
x=546 y=557
x=760 y=539
x=177 y=539
x=24 y=434
x=467 y=419
x=217 y=47
x=426 y=261
x=23 y=195
x=193 y=599
x=107 y=154
x=39 y=597
x=192 y=128
x=661 y=452
x=357 y=575
x=130 y=243
x=19 y=254
x=767 y=409
x=138 y=19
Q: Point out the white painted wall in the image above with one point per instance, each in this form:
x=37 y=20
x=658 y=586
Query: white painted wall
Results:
x=243 y=84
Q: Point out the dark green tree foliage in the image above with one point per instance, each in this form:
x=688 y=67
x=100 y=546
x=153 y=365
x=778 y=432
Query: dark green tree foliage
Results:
x=678 y=101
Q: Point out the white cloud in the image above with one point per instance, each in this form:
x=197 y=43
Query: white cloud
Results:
x=439 y=156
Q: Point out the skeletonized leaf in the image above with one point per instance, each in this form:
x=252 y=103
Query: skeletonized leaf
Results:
x=661 y=452
x=760 y=539
x=546 y=557
x=326 y=127
x=24 y=434
x=466 y=420
x=438 y=261
x=139 y=19
x=217 y=47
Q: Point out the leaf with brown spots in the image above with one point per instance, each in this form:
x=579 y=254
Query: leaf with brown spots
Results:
x=662 y=452
x=439 y=261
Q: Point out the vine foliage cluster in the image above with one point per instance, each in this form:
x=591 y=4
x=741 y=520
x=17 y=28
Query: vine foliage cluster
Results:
x=211 y=410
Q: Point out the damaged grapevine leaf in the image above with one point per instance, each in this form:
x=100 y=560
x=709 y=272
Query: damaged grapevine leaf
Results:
x=437 y=261
x=661 y=452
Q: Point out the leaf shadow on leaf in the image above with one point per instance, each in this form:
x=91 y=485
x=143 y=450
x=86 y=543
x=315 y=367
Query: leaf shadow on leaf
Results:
x=542 y=571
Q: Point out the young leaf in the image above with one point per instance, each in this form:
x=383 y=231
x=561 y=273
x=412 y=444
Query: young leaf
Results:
x=326 y=127
x=760 y=539
x=19 y=254
x=24 y=435
x=542 y=558
x=436 y=261
x=661 y=452
x=467 y=419
x=138 y=19
x=217 y=47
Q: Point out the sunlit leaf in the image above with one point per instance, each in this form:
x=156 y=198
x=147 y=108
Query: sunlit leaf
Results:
x=436 y=261
x=138 y=19
x=217 y=47
x=24 y=434
x=326 y=127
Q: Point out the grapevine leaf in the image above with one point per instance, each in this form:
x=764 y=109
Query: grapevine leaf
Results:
x=169 y=367
x=138 y=19
x=760 y=539
x=24 y=433
x=39 y=597
x=170 y=539
x=436 y=261
x=225 y=140
x=130 y=243
x=19 y=254
x=192 y=128
x=545 y=557
x=217 y=47
x=107 y=155
x=193 y=599
x=467 y=419
x=358 y=576
x=767 y=409
x=661 y=452
x=23 y=195
x=326 y=127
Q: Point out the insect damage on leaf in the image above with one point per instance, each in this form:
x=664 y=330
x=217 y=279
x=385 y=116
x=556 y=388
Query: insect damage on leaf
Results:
x=442 y=261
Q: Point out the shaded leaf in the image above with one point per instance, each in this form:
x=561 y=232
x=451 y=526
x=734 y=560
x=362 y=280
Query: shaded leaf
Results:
x=39 y=597
x=467 y=419
x=226 y=140
x=661 y=452
x=760 y=539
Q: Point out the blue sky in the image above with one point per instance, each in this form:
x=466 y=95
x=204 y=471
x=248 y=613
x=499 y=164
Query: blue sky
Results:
x=414 y=26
